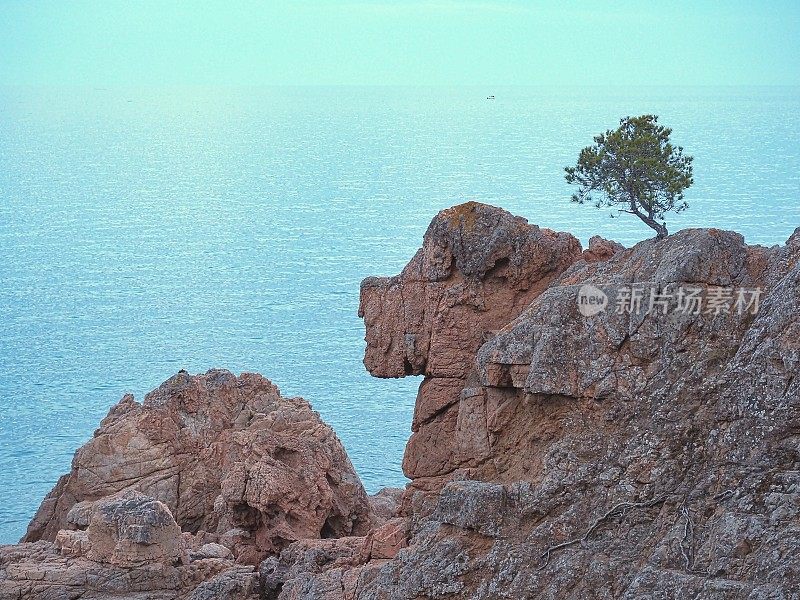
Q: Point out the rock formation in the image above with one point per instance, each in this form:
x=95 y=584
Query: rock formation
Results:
x=187 y=492
x=599 y=423
x=132 y=548
x=228 y=456
x=638 y=452
x=479 y=267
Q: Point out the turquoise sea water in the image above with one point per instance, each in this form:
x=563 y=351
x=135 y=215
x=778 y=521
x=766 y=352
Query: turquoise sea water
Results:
x=144 y=231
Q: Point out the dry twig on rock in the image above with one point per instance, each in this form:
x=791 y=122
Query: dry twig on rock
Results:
x=621 y=509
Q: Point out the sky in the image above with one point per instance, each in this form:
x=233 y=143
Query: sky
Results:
x=396 y=42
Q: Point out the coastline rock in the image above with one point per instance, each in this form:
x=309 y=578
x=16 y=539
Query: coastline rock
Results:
x=236 y=583
x=226 y=455
x=132 y=548
x=388 y=539
x=623 y=453
x=246 y=471
x=132 y=530
x=211 y=550
x=478 y=268
x=601 y=249
x=323 y=569
x=630 y=447
x=385 y=505
x=38 y=571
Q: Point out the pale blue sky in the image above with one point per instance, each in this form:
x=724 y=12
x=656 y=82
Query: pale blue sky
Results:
x=413 y=42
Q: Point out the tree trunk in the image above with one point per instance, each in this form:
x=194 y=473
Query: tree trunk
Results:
x=661 y=230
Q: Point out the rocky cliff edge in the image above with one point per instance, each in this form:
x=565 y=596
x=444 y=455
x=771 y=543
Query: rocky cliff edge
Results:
x=598 y=423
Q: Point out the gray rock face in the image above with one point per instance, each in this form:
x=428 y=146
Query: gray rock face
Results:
x=236 y=583
x=631 y=453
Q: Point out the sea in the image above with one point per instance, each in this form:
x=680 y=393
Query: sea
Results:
x=148 y=230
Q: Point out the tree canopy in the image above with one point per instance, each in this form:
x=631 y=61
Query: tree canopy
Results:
x=636 y=169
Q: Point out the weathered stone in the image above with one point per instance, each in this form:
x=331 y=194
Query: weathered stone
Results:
x=313 y=569
x=478 y=268
x=211 y=550
x=388 y=539
x=385 y=505
x=72 y=543
x=628 y=454
x=222 y=453
x=131 y=530
x=238 y=583
x=601 y=249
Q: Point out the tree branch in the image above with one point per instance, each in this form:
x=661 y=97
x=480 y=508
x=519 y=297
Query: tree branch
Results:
x=620 y=509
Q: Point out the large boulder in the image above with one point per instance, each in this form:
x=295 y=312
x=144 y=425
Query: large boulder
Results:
x=132 y=530
x=132 y=548
x=226 y=455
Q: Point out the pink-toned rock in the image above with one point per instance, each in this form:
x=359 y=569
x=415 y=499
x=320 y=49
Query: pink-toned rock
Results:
x=131 y=530
x=634 y=452
x=132 y=548
x=223 y=454
x=388 y=539
x=601 y=249
x=72 y=543
x=478 y=268
x=385 y=505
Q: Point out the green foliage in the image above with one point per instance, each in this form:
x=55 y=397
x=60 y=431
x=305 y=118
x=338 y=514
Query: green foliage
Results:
x=636 y=167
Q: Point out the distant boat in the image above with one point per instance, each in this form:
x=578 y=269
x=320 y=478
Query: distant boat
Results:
x=490 y=97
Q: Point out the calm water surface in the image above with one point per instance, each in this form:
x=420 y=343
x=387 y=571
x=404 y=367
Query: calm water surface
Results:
x=145 y=231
